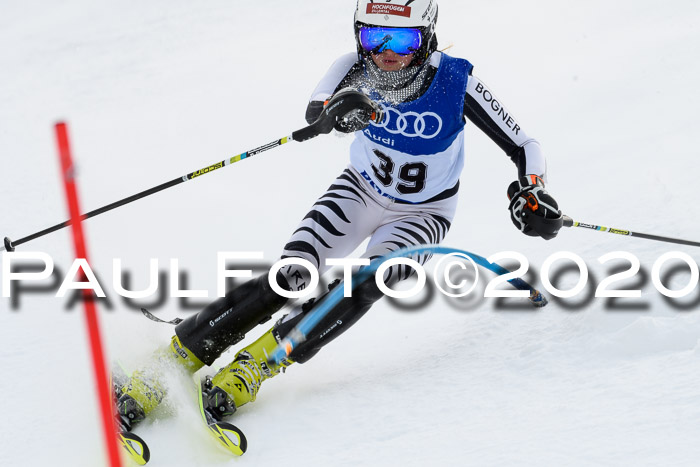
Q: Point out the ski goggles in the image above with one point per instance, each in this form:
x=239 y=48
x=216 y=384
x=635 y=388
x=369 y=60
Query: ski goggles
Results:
x=403 y=41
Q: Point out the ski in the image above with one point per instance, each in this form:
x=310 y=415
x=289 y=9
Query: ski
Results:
x=227 y=435
x=135 y=447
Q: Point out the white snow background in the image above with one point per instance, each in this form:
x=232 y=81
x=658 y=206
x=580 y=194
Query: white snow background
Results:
x=153 y=90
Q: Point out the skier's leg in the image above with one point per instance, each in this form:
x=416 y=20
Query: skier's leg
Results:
x=198 y=341
x=336 y=224
x=406 y=226
x=226 y=321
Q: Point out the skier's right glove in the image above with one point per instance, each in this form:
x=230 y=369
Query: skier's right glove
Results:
x=347 y=111
x=354 y=110
x=533 y=211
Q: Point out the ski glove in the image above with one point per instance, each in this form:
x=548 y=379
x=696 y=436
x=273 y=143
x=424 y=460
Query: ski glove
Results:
x=357 y=115
x=348 y=110
x=533 y=211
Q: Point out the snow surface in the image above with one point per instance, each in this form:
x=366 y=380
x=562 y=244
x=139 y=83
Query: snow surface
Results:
x=153 y=90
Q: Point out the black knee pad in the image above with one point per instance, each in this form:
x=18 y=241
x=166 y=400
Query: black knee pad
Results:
x=226 y=321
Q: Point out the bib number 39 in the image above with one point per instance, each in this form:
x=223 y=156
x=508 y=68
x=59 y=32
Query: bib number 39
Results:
x=411 y=175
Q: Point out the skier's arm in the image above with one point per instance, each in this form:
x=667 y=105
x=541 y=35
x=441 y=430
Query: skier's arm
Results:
x=487 y=112
x=532 y=210
x=329 y=85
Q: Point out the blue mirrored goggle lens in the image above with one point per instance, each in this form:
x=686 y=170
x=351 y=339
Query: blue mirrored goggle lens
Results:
x=403 y=41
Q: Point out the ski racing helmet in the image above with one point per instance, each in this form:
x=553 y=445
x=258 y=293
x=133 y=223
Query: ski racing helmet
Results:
x=404 y=26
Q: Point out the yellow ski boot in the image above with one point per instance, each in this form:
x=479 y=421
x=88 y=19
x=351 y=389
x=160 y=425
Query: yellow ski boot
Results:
x=144 y=391
x=238 y=382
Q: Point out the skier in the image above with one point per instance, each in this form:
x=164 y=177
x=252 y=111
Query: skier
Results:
x=399 y=190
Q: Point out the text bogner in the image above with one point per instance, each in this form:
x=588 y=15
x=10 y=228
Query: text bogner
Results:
x=496 y=106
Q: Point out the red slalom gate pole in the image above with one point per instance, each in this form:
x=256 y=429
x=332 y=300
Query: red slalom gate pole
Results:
x=93 y=326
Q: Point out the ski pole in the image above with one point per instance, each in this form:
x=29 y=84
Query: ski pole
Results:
x=10 y=244
x=323 y=125
x=569 y=222
x=341 y=105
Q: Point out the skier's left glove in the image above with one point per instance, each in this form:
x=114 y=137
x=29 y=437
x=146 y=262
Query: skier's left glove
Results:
x=354 y=111
x=533 y=211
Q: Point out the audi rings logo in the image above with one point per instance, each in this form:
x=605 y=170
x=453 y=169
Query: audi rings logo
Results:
x=410 y=124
